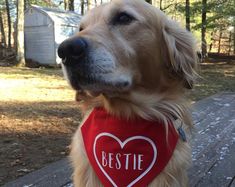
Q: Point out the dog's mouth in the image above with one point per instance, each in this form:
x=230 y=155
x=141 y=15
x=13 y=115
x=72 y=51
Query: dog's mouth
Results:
x=91 y=79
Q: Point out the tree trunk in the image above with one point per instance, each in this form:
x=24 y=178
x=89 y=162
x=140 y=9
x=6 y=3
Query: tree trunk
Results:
x=160 y=5
x=149 y=1
x=69 y=5
x=82 y=7
x=20 y=34
x=187 y=14
x=219 y=44
x=3 y=37
x=203 y=30
x=89 y=4
x=234 y=30
x=26 y=3
x=9 y=23
x=230 y=43
x=66 y=5
x=234 y=37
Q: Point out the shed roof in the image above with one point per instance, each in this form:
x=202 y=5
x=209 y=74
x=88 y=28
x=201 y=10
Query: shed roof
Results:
x=59 y=16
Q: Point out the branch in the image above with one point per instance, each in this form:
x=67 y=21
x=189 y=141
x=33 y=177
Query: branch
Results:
x=168 y=6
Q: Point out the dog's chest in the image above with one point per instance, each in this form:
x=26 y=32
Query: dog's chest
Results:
x=127 y=152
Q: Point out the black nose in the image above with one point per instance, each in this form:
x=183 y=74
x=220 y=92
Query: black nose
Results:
x=72 y=48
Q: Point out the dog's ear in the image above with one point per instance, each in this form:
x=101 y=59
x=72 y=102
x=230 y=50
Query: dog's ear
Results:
x=179 y=52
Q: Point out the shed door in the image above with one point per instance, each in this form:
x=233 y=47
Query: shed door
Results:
x=40 y=44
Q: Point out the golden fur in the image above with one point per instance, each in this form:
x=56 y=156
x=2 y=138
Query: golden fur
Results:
x=160 y=58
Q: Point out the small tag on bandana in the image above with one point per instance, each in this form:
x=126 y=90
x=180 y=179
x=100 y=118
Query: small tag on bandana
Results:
x=127 y=153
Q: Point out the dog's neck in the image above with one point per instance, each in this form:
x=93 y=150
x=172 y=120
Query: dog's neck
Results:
x=147 y=106
x=150 y=107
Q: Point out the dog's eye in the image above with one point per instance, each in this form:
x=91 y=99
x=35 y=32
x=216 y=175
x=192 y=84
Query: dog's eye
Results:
x=123 y=19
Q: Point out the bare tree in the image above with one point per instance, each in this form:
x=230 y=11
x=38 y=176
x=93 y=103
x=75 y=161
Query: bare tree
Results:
x=3 y=37
x=9 y=22
x=20 y=33
x=187 y=14
x=82 y=7
x=203 y=29
x=69 y=5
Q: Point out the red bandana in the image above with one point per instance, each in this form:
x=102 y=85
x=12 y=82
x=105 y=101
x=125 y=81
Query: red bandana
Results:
x=127 y=153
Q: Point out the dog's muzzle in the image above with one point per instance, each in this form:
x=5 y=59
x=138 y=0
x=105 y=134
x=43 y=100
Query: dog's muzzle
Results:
x=92 y=69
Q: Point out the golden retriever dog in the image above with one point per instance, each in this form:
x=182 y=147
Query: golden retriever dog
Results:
x=131 y=60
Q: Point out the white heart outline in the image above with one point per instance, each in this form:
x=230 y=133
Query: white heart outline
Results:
x=122 y=144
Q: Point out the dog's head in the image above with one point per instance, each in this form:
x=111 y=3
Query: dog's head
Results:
x=128 y=45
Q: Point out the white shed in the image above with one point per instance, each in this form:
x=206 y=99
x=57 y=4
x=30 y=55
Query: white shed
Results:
x=45 y=29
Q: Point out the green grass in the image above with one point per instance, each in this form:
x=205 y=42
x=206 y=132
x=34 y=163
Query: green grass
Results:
x=219 y=77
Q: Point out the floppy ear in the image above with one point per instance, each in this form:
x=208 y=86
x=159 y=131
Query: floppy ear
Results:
x=179 y=52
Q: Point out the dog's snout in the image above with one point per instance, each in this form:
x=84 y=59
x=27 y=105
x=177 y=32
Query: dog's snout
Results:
x=74 y=48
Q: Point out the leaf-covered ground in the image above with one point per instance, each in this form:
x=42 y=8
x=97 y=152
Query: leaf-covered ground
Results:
x=215 y=77
x=38 y=114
